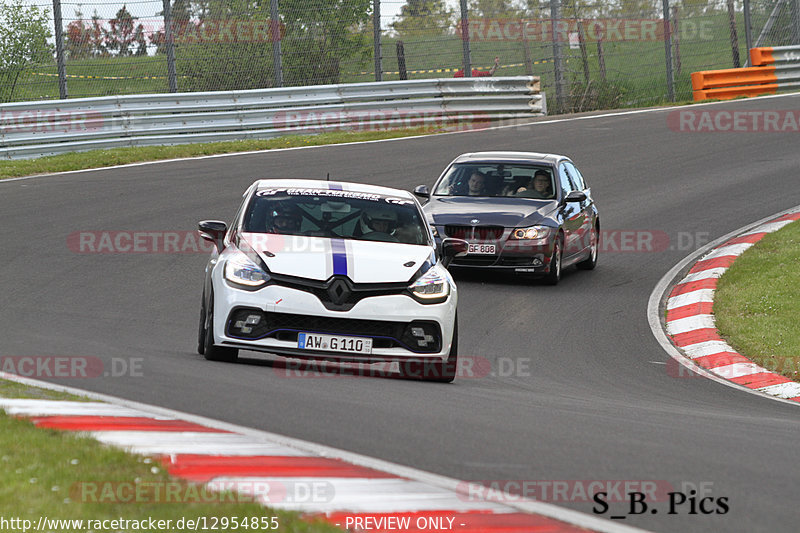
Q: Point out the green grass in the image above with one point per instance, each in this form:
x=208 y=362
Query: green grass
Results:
x=758 y=301
x=12 y=389
x=120 y=156
x=46 y=473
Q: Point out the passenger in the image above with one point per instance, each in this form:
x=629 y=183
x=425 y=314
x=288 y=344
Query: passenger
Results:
x=539 y=187
x=379 y=221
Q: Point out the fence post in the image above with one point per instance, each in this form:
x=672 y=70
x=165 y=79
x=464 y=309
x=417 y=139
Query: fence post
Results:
x=748 y=31
x=275 y=30
x=62 y=69
x=168 y=38
x=376 y=25
x=737 y=63
x=401 y=60
x=465 y=38
x=668 y=52
x=558 y=58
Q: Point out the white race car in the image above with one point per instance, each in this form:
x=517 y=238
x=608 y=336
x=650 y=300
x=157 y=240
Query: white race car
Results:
x=330 y=270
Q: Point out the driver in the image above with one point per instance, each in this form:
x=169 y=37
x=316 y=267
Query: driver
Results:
x=378 y=220
x=284 y=219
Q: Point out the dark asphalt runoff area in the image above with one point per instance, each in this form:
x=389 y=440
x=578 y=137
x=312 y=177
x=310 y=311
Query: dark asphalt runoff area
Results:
x=578 y=389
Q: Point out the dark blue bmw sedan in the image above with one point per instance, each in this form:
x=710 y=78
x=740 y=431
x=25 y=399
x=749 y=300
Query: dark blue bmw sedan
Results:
x=527 y=213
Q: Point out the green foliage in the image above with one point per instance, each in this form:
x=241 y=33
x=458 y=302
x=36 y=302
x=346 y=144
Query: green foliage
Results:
x=420 y=17
x=23 y=42
x=320 y=34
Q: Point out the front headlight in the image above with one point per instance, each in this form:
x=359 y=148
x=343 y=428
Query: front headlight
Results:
x=241 y=271
x=531 y=233
x=432 y=287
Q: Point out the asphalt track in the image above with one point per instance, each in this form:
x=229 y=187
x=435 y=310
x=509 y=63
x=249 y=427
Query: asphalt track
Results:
x=591 y=398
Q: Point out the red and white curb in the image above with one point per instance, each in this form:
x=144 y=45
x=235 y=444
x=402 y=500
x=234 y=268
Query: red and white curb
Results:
x=267 y=467
x=690 y=319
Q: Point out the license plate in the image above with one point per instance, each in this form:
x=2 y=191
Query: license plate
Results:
x=482 y=249
x=334 y=343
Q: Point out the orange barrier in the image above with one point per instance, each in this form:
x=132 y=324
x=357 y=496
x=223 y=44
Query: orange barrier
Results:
x=761 y=56
x=733 y=82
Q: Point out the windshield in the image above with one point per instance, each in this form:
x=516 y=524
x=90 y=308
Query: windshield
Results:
x=498 y=179
x=335 y=214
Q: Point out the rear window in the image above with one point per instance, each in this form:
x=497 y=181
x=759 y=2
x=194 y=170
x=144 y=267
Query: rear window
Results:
x=335 y=214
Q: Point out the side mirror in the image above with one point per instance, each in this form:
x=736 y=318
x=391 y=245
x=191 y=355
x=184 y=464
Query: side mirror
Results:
x=452 y=248
x=575 y=196
x=213 y=231
x=421 y=191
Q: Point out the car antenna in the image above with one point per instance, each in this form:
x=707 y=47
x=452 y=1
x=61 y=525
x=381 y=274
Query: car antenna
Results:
x=328 y=177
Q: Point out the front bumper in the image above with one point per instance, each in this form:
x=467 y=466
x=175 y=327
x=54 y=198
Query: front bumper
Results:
x=285 y=312
x=520 y=256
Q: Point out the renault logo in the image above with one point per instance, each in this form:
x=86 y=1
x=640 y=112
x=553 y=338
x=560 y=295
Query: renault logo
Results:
x=474 y=221
x=339 y=291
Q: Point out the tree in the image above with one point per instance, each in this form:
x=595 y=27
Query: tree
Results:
x=492 y=9
x=424 y=17
x=320 y=34
x=123 y=34
x=24 y=38
x=77 y=38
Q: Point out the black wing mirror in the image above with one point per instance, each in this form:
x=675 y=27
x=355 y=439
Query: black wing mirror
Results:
x=214 y=231
x=452 y=248
x=421 y=191
x=575 y=196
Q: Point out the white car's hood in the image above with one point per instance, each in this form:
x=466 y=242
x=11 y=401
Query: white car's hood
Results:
x=320 y=258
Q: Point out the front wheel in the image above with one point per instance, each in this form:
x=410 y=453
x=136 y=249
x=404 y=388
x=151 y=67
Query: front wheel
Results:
x=590 y=262
x=554 y=275
x=211 y=351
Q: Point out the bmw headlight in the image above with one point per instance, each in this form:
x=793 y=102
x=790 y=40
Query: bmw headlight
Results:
x=242 y=271
x=431 y=288
x=531 y=233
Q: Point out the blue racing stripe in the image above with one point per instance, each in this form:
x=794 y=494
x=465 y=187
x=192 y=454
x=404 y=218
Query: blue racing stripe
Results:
x=339 y=257
x=335 y=187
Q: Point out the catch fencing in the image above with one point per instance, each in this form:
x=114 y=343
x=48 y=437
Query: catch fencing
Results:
x=589 y=54
x=34 y=129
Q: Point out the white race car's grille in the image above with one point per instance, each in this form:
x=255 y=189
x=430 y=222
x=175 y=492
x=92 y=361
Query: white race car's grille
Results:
x=420 y=336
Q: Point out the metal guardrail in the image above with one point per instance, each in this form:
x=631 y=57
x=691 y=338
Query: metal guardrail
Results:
x=777 y=68
x=33 y=129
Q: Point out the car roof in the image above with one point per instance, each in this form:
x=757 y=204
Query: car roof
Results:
x=332 y=185
x=509 y=157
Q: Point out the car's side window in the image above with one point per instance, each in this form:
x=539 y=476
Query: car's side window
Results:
x=563 y=177
x=576 y=176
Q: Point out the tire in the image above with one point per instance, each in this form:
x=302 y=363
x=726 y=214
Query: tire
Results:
x=591 y=262
x=201 y=333
x=554 y=275
x=211 y=351
x=441 y=372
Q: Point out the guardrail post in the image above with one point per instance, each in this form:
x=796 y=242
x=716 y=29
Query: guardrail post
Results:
x=62 y=69
x=376 y=31
x=465 y=38
x=168 y=38
x=668 y=52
